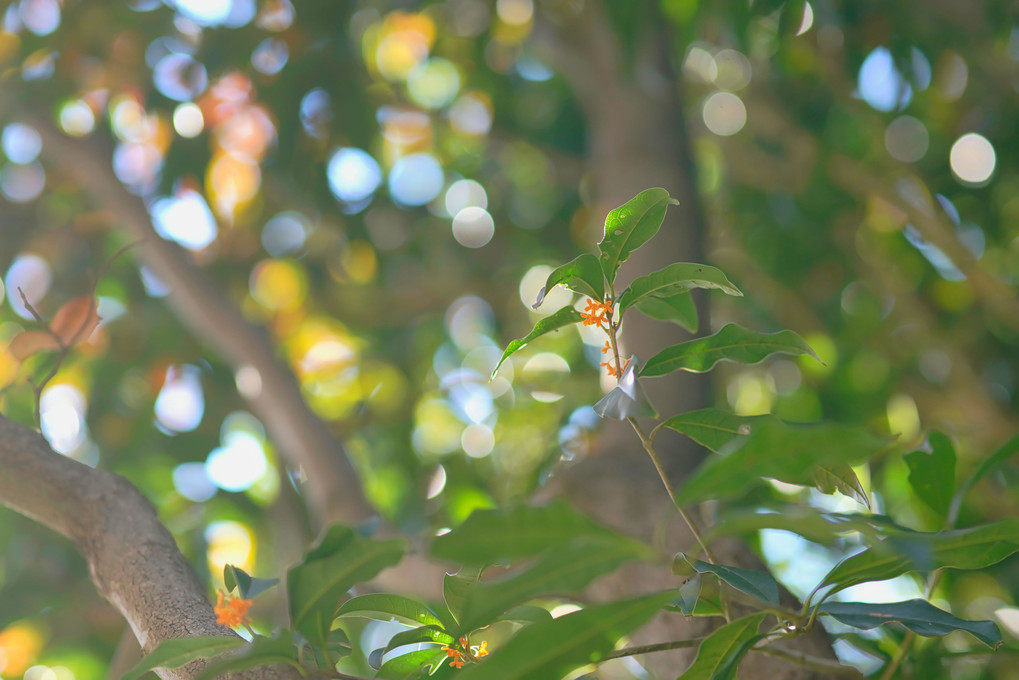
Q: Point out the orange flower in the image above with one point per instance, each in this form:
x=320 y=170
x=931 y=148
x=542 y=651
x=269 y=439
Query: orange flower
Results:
x=230 y=610
x=482 y=650
x=596 y=313
x=606 y=348
x=456 y=655
x=465 y=652
x=611 y=370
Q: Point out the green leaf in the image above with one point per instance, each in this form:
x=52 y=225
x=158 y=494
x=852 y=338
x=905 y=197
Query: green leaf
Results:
x=262 y=651
x=732 y=343
x=630 y=226
x=563 y=569
x=457 y=587
x=248 y=586
x=932 y=475
x=385 y=607
x=564 y=317
x=714 y=428
x=840 y=477
x=780 y=451
x=490 y=536
x=679 y=309
x=407 y=665
x=550 y=650
x=676 y=278
x=418 y=635
x=720 y=653
x=689 y=593
x=526 y=613
x=757 y=584
x=179 y=651
x=821 y=527
x=343 y=559
x=919 y=616
x=1007 y=451
x=973 y=548
x=582 y=275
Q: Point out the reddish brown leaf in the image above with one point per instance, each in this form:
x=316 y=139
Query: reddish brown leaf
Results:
x=75 y=320
x=27 y=343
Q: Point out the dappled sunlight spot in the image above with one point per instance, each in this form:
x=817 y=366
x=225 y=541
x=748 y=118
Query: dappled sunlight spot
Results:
x=951 y=74
x=321 y=347
x=41 y=17
x=247 y=134
x=892 y=590
x=20 y=645
x=188 y=120
x=192 y=482
x=316 y=112
x=401 y=42
x=275 y=15
x=22 y=183
x=415 y=179
x=470 y=322
x=467 y=18
x=751 y=393
x=533 y=281
x=1008 y=617
x=473 y=401
x=77 y=118
x=185 y=219
x=129 y=121
x=903 y=418
x=248 y=381
x=825 y=348
x=229 y=543
x=880 y=83
x=471 y=114
x=279 y=285
x=181 y=403
x=433 y=83
x=232 y=182
x=437 y=430
x=563 y=609
x=808 y=19
x=734 y=70
x=405 y=132
x=270 y=56
x=353 y=174
x=473 y=227
x=973 y=159
x=32 y=275
x=700 y=65
x=797 y=562
x=205 y=12
x=62 y=417
x=477 y=440
x=237 y=464
x=382 y=386
x=465 y=193
x=285 y=233
x=180 y=77
x=724 y=114
x=360 y=262
x=515 y=11
x=906 y=139
x=436 y=483
x=137 y=164
x=21 y=143
x=532 y=69
x=542 y=370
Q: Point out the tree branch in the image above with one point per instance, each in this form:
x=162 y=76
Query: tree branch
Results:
x=132 y=558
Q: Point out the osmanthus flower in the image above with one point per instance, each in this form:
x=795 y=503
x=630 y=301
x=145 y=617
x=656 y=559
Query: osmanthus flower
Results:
x=596 y=313
x=231 y=610
x=464 y=652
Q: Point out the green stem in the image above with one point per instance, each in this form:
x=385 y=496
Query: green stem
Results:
x=815 y=663
x=659 y=647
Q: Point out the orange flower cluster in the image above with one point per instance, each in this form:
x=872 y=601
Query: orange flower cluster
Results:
x=230 y=610
x=465 y=652
x=596 y=313
x=611 y=370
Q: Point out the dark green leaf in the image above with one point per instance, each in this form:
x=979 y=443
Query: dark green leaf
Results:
x=932 y=475
x=973 y=548
x=384 y=607
x=457 y=587
x=418 y=635
x=732 y=343
x=919 y=616
x=676 y=278
x=757 y=584
x=820 y=527
x=248 y=586
x=550 y=650
x=720 y=653
x=564 y=569
x=679 y=309
x=317 y=585
x=490 y=536
x=582 y=275
x=526 y=613
x=714 y=428
x=840 y=477
x=407 y=665
x=564 y=317
x=179 y=651
x=780 y=451
x=630 y=226
x=262 y=651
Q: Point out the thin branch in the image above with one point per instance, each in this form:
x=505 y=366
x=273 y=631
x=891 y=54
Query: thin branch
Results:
x=815 y=663
x=658 y=647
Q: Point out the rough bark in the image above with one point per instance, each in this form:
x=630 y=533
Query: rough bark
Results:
x=132 y=558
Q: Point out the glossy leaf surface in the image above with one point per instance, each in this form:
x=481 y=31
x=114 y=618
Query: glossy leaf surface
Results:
x=564 y=317
x=630 y=226
x=732 y=343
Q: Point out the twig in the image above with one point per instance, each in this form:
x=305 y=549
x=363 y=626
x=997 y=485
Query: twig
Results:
x=657 y=647
x=816 y=663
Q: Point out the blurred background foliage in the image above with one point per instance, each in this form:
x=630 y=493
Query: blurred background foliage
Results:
x=386 y=185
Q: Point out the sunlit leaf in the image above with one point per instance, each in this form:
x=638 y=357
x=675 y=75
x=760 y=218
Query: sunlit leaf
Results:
x=248 y=586
x=973 y=548
x=582 y=275
x=418 y=635
x=550 y=650
x=384 y=607
x=630 y=226
x=262 y=651
x=779 y=451
x=732 y=343
x=490 y=536
x=759 y=584
x=720 y=653
x=714 y=428
x=676 y=278
x=342 y=560
x=919 y=616
x=932 y=475
x=456 y=588
x=179 y=651
x=820 y=527
x=407 y=665
x=839 y=476
x=564 y=317
x=679 y=309
x=73 y=323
